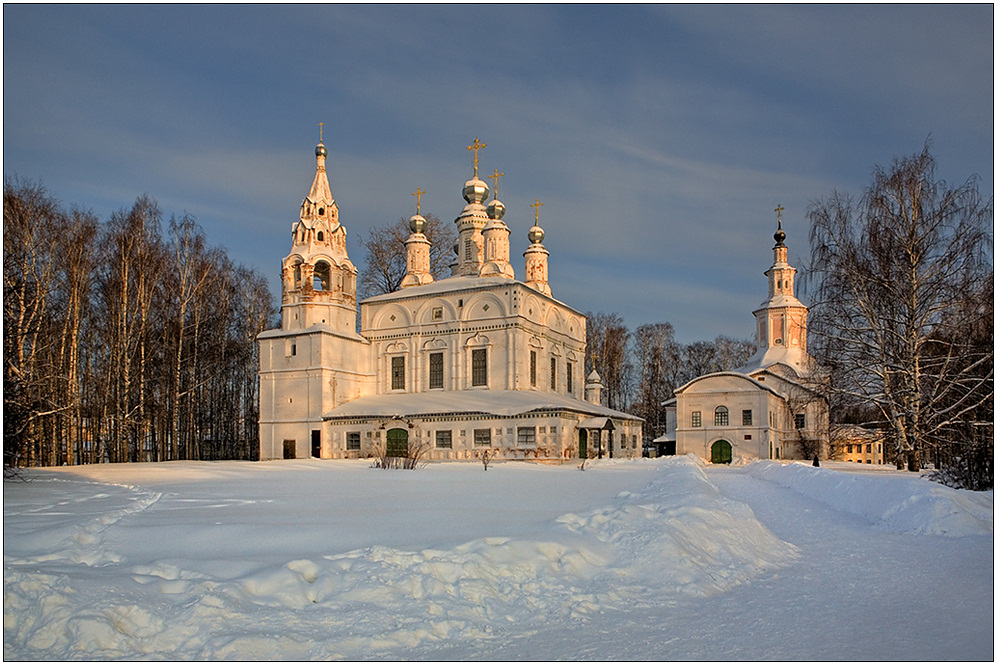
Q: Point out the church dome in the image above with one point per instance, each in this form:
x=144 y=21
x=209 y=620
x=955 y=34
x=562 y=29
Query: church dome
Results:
x=536 y=235
x=496 y=209
x=320 y=150
x=417 y=223
x=779 y=235
x=475 y=191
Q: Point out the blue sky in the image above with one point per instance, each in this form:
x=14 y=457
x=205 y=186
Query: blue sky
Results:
x=660 y=138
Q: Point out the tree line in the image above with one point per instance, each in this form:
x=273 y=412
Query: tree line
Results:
x=122 y=342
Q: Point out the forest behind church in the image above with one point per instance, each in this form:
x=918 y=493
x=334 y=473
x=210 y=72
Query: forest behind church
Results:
x=125 y=340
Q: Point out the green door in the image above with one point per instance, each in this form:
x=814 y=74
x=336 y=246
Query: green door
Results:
x=583 y=444
x=397 y=443
x=720 y=453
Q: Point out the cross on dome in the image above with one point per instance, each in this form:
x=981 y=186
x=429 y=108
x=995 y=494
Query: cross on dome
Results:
x=536 y=207
x=495 y=179
x=477 y=145
x=780 y=235
x=320 y=131
x=418 y=199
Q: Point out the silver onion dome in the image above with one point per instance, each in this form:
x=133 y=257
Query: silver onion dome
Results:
x=475 y=191
x=496 y=209
x=417 y=223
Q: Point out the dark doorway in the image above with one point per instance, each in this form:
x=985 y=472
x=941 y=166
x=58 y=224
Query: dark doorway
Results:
x=397 y=445
x=720 y=453
x=316 y=443
x=289 y=446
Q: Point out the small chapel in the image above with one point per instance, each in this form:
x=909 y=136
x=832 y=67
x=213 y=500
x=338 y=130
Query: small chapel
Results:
x=772 y=408
x=477 y=364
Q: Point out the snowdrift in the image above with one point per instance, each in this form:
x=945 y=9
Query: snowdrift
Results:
x=900 y=503
x=69 y=594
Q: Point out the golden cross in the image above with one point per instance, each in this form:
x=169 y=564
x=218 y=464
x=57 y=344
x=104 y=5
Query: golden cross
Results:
x=418 y=199
x=778 y=211
x=495 y=176
x=477 y=145
x=536 y=206
x=320 y=131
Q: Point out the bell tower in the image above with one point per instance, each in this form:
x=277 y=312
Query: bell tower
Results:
x=782 y=319
x=316 y=360
x=318 y=280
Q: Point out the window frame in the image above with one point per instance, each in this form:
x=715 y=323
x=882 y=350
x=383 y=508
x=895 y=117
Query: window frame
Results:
x=482 y=438
x=479 y=368
x=526 y=437
x=721 y=416
x=436 y=370
x=397 y=372
x=351 y=442
x=446 y=434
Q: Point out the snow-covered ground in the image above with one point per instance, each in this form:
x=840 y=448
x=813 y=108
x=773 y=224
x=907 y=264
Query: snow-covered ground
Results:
x=628 y=560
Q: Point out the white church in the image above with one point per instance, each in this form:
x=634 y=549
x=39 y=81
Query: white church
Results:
x=477 y=363
x=772 y=408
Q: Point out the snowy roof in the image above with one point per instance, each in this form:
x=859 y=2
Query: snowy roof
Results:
x=490 y=402
x=795 y=358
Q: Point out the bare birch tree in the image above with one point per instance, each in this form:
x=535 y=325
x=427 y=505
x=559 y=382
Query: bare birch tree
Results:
x=897 y=278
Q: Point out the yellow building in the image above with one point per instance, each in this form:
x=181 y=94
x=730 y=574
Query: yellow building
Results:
x=852 y=443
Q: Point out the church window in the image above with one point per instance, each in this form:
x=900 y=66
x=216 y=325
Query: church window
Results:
x=467 y=250
x=321 y=211
x=533 y=368
x=321 y=276
x=437 y=314
x=721 y=416
x=801 y=420
x=482 y=437
x=297 y=275
x=868 y=448
x=746 y=417
x=435 y=370
x=353 y=440
x=697 y=418
x=569 y=382
x=526 y=437
x=321 y=237
x=444 y=438
x=849 y=448
x=553 y=373
x=479 y=367
x=398 y=373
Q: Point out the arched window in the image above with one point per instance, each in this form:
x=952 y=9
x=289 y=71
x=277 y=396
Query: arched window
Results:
x=320 y=281
x=297 y=275
x=721 y=417
x=321 y=236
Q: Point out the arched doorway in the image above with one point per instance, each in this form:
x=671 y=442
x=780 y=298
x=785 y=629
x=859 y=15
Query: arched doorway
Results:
x=720 y=453
x=583 y=444
x=397 y=445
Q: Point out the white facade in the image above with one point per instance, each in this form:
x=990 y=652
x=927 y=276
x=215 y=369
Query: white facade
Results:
x=473 y=363
x=768 y=409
